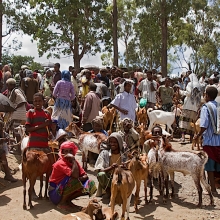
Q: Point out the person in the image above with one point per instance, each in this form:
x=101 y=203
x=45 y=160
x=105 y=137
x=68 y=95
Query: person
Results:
x=211 y=140
x=128 y=133
x=166 y=93
x=190 y=106
x=68 y=179
x=125 y=102
x=77 y=111
x=29 y=85
x=56 y=133
x=56 y=75
x=74 y=81
x=4 y=139
x=97 y=125
x=37 y=124
x=1 y=74
x=91 y=107
x=109 y=158
x=148 y=88
x=18 y=98
x=102 y=76
x=45 y=83
x=6 y=74
x=64 y=93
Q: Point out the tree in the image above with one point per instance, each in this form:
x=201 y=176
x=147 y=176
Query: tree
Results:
x=199 y=33
x=165 y=13
x=69 y=28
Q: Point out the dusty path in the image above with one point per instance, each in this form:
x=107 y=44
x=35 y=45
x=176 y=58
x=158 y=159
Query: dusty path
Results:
x=182 y=207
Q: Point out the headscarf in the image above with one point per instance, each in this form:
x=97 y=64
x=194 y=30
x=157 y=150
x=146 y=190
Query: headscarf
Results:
x=29 y=73
x=98 y=120
x=56 y=122
x=119 y=139
x=65 y=75
x=11 y=81
x=68 y=145
x=194 y=88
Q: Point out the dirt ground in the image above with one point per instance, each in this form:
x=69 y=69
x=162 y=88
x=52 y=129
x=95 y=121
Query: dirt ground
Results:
x=183 y=206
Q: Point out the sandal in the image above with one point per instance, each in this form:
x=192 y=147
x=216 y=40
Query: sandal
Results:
x=65 y=208
x=181 y=140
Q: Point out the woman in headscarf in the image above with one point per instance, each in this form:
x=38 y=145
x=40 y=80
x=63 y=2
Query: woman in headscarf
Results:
x=191 y=106
x=97 y=125
x=68 y=179
x=63 y=93
x=112 y=156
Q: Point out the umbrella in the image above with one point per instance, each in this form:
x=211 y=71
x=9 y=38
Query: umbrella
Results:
x=91 y=67
x=48 y=64
x=5 y=104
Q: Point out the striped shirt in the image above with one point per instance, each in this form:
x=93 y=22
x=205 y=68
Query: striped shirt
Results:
x=209 y=137
x=38 y=138
x=145 y=88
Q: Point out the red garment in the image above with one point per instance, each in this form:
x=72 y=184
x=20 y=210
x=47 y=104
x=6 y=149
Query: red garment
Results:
x=213 y=152
x=1 y=75
x=38 y=138
x=69 y=145
x=61 y=169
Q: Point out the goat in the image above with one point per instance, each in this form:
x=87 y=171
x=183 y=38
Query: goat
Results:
x=93 y=208
x=186 y=163
x=198 y=141
x=155 y=171
x=108 y=117
x=34 y=163
x=121 y=190
x=142 y=116
x=139 y=168
x=87 y=141
x=108 y=213
x=161 y=117
x=24 y=138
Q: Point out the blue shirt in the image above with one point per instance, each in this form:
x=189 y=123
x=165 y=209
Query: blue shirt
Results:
x=209 y=137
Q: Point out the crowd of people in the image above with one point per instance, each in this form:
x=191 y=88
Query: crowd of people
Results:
x=83 y=94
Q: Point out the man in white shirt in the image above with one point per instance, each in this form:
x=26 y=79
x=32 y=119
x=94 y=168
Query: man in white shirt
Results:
x=148 y=88
x=125 y=102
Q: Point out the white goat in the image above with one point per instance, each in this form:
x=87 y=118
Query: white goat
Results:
x=186 y=163
x=24 y=138
x=161 y=117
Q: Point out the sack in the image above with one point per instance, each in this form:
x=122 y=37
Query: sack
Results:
x=215 y=121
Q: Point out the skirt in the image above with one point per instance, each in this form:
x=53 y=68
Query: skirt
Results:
x=62 y=112
x=186 y=118
x=69 y=186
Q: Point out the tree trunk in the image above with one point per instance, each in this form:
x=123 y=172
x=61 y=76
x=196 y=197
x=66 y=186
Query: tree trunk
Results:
x=115 y=32
x=0 y=31
x=76 y=56
x=164 y=38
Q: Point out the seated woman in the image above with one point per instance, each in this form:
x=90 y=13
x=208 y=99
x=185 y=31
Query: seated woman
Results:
x=129 y=134
x=56 y=133
x=68 y=179
x=107 y=160
x=97 y=125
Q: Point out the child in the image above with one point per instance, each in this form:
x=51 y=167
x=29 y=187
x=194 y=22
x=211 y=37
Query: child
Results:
x=37 y=124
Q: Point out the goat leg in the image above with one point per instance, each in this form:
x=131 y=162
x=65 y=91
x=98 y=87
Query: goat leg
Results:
x=165 y=197
x=128 y=206
x=24 y=190
x=138 y=185
x=32 y=181
x=46 y=186
x=172 y=184
x=199 y=188
x=145 y=190
x=41 y=186
x=84 y=160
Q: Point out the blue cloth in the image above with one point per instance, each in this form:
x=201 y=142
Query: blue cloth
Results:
x=66 y=76
x=56 y=193
x=102 y=131
x=209 y=138
x=212 y=166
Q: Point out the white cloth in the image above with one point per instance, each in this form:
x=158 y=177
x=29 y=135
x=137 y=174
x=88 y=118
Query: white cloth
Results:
x=20 y=113
x=145 y=88
x=75 y=84
x=126 y=101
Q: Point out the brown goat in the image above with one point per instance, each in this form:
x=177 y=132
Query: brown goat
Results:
x=34 y=164
x=121 y=190
x=93 y=208
x=108 y=117
x=196 y=142
x=142 y=116
x=139 y=168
